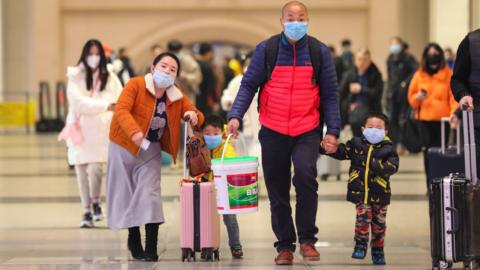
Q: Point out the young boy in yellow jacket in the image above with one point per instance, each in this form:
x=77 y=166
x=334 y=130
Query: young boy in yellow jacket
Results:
x=215 y=139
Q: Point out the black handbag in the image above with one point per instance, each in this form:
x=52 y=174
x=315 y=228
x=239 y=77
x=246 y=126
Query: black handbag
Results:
x=414 y=134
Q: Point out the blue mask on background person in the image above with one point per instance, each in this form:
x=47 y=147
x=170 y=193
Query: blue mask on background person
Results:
x=213 y=141
x=162 y=79
x=295 y=30
x=395 y=48
x=374 y=135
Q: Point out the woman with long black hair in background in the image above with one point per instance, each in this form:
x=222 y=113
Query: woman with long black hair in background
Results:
x=92 y=92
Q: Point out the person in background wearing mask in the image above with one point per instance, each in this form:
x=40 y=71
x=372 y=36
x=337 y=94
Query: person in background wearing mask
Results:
x=360 y=91
x=155 y=50
x=207 y=100
x=450 y=58
x=147 y=120
x=373 y=160
x=400 y=68
x=431 y=97
x=92 y=91
x=122 y=66
x=292 y=104
x=191 y=75
x=347 y=55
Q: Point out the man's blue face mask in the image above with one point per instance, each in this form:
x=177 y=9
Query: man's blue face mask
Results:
x=295 y=30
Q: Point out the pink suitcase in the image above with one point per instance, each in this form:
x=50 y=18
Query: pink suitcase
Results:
x=199 y=219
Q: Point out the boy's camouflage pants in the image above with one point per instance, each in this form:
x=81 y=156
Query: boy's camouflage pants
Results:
x=374 y=216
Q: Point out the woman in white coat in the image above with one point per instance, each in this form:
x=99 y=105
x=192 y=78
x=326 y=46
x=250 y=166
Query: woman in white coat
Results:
x=92 y=92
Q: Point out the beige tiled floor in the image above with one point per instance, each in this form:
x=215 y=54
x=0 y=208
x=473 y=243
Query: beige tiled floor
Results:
x=40 y=212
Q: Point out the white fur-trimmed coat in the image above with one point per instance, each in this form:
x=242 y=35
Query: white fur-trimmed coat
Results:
x=93 y=113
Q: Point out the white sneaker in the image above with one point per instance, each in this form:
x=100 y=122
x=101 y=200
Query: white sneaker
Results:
x=97 y=212
x=87 y=221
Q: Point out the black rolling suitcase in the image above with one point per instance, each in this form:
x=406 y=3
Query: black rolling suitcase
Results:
x=455 y=211
x=444 y=160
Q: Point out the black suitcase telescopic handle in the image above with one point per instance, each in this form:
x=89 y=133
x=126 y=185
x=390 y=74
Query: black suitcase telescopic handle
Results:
x=470 y=147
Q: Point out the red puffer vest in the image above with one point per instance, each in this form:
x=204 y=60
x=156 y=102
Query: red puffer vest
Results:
x=289 y=102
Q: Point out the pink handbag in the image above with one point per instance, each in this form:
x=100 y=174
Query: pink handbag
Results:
x=73 y=130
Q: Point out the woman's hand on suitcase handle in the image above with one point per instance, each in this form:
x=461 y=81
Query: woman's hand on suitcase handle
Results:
x=191 y=117
x=137 y=138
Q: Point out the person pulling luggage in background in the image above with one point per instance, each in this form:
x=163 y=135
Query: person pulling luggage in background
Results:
x=373 y=160
x=215 y=140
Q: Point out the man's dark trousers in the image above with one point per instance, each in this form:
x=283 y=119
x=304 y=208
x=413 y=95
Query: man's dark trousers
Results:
x=278 y=153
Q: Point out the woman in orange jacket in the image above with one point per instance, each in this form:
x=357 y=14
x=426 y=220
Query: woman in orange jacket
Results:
x=147 y=120
x=430 y=94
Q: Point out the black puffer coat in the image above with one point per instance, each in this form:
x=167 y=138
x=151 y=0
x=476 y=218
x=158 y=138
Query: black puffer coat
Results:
x=370 y=169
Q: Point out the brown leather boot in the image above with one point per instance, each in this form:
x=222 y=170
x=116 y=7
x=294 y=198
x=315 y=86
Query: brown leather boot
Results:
x=284 y=257
x=309 y=252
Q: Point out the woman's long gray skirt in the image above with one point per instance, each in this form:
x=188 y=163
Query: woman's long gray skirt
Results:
x=133 y=187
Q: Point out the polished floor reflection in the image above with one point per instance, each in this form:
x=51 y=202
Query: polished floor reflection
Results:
x=40 y=212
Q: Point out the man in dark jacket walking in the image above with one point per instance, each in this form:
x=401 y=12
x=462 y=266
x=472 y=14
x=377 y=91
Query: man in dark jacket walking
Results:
x=360 y=91
x=400 y=67
x=206 y=99
x=465 y=81
x=292 y=103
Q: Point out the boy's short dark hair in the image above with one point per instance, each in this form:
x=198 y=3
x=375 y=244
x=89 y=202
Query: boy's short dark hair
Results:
x=214 y=120
x=378 y=115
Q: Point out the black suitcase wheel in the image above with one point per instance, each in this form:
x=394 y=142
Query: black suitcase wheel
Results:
x=216 y=255
x=208 y=254
x=324 y=177
x=338 y=177
x=445 y=265
x=187 y=254
x=472 y=265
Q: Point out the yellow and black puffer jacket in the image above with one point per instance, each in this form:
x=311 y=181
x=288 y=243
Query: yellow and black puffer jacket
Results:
x=370 y=169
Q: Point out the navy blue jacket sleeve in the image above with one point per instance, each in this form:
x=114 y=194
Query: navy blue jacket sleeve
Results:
x=329 y=103
x=251 y=81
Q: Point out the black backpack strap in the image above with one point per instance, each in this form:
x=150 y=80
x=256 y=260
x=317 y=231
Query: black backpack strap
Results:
x=315 y=48
x=271 y=52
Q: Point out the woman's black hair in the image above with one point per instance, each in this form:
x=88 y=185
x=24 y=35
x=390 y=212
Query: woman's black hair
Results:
x=102 y=66
x=165 y=54
x=423 y=63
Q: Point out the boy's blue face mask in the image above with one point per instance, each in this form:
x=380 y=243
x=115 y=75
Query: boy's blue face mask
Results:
x=213 y=141
x=374 y=135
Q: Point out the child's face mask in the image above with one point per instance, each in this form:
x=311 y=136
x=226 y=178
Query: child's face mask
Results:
x=374 y=135
x=213 y=141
